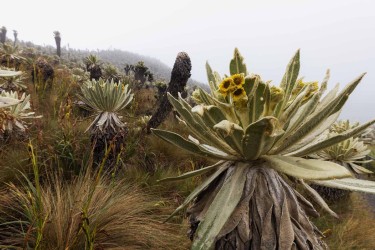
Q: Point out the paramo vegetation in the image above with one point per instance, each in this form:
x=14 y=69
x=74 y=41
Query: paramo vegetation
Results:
x=241 y=164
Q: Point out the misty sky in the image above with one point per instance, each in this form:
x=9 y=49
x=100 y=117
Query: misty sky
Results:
x=334 y=34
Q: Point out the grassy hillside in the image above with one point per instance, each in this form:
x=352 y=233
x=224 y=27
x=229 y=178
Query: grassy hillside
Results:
x=55 y=196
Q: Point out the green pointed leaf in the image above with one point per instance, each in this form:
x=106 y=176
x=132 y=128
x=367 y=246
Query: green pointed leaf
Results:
x=359 y=169
x=314 y=136
x=333 y=140
x=8 y=101
x=294 y=107
x=314 y=195
x=180 y=142
x=257 y=136
x=348 y=91
x=318 y=117
x=257 y=104
x=213 y=116
x=206 y=99
x=237 y=66
x=193 y=173
x=226 y=108
x=290 y=136
x=350 y=184
x=200 y=188
x=199 y=127
x=211 y=78
x=288 y=81
x=251 y=85
x=9 y=73
x=221 y=208
x=188 y=117
x=291 y=74
x=328 y=97
x=307 y=169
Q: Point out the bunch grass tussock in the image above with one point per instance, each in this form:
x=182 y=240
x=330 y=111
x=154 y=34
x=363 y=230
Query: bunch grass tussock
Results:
x=120 y=216
x=14 y=158
x=354 y=229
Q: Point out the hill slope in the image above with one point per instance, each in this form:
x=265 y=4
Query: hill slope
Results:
x=118 y=58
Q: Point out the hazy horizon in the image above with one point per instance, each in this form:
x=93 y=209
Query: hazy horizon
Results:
x=335 y=35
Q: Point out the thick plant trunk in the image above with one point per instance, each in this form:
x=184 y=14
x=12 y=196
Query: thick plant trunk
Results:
x=3 y=35
x=101 y=142
x=95 y=73
x=270 y=215
x=331 y=194
x=180 y=76
x=58 y=45
x=42 y=73
x=140 y=75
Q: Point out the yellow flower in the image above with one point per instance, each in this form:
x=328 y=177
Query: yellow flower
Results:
x=277 y=94
x=226 y=85
x=238 y=94
x=299 y=86
x=238 y=79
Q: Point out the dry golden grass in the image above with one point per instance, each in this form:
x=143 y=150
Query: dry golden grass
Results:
x=120 y=216
x=354 y=230
x=145 y=101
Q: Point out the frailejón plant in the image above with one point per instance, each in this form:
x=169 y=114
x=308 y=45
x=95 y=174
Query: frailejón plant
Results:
x=350 y=153
x=4 y=100
x=106 y=99
x=13 y=81
x=259 y=133
x=12 y=118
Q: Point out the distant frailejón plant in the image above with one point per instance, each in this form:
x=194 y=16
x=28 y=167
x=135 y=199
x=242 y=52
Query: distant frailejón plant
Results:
x=141 y=73
x=10 y=56
x=13 y=110
x=42 y=74
x=93 y=65
x=15 y=34
x=58 y=42
x=3 y=34
x=259 y=133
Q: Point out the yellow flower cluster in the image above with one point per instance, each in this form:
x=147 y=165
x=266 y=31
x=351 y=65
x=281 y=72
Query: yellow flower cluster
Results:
x=277 y=94
x=233 y=86
x=314 y=87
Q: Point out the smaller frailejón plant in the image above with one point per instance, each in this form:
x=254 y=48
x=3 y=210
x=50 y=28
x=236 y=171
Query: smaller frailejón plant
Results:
x=259 y=133
x=13 y=111
x=10 y=56
x=13 y=82
x=12 y=118
x=106 y=99
x=350 y=153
